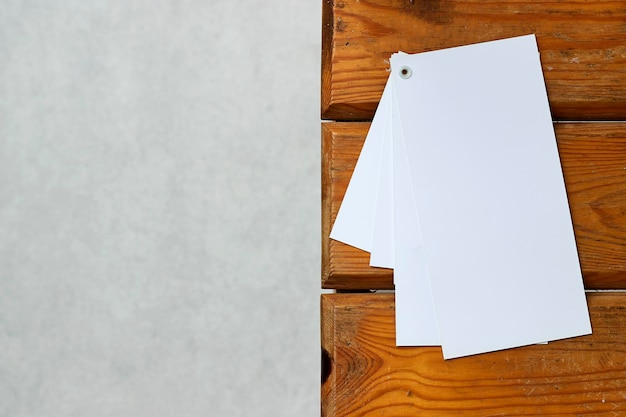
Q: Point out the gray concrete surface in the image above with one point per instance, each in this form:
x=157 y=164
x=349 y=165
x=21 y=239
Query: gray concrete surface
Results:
x=159 y=208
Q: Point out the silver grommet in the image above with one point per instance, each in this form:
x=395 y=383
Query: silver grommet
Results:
x=405 y=72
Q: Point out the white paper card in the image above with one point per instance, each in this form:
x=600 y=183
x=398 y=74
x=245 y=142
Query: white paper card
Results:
x=382 y=249
x=491 y=202
x=416 y=324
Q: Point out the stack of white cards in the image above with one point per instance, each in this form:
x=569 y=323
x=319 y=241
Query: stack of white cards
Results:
x=459 y=189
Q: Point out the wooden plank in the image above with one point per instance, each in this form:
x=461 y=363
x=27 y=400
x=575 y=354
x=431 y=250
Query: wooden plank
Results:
x=343 y=266
x=365 y=374
x=582 y=45
x=594 y=163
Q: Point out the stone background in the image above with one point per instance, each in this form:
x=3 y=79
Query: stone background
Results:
x=159 y=208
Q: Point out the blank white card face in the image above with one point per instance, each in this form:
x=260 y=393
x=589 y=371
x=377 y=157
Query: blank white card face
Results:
x=491 y=203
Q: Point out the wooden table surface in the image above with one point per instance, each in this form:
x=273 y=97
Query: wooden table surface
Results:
x=583 y=53
x=582 y=45
x=364 y=374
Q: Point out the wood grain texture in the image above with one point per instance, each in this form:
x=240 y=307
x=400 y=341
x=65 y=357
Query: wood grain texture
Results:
x=582 y=45
x=365 y=374
x=343 y=266
x=593 y=157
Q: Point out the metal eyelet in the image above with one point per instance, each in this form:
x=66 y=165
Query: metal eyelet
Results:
x=405 y=72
